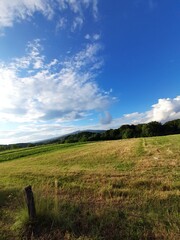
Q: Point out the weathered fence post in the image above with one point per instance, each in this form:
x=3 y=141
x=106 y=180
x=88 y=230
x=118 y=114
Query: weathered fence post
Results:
x=30 y=203
x=56 y=194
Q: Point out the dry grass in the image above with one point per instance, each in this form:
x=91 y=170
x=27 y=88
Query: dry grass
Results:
x=126 y=189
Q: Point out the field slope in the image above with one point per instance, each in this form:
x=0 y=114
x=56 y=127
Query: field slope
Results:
x=125 y=189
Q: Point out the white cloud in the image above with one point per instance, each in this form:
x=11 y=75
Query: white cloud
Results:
x=164 y=110
x=33 y=90
x=33 y=132
x=95 y=9
x=78 y=6
x=61 y=24
x=77 y=23
x=17 y=10
x=94 y=37
x=20 y=10
x=87 y=37
x=44 y=130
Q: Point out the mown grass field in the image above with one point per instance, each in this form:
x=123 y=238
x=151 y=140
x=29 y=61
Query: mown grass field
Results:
x=125 y=189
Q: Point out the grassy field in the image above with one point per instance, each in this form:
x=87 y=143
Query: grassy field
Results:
x=125 y=189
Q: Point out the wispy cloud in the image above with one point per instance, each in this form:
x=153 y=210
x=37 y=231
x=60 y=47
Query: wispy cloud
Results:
x=20 y=10
x=34 y=90
x=94 y=37
x=61 y=24
x=77 y=23
x=78 y=6
x=95 y=8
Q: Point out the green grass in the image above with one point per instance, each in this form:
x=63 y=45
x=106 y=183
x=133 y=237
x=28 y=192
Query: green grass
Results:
x=125 y=189
x=24 y=152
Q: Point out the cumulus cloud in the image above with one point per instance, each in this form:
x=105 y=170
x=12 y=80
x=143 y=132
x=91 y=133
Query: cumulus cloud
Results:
x=166 y=109
x=19 y=10
x=34 y=90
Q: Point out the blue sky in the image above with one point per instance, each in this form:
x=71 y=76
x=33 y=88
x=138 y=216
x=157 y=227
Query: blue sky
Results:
x=68 y=65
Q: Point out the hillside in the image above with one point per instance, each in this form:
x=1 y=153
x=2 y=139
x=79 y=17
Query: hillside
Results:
x=123 y=189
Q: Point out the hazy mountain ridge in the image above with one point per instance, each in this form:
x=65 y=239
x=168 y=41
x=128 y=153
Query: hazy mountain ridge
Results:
x=125 y=131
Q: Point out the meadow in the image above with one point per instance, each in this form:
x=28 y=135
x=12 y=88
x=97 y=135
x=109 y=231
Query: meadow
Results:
x=110 y=190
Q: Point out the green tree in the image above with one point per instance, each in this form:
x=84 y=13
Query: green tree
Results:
x=172 y=127
x=152 y=129
x=128 y=133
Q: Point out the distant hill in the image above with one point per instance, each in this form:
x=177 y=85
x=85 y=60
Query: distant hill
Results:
x=125 y=131
x=57 y=139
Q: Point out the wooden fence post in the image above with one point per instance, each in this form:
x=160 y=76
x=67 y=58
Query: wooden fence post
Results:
x=30 y=203
x=56 y=194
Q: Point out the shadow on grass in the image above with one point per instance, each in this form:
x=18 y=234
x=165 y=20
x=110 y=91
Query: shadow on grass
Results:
x=9 y=203
x=7 y=195
x=80 y=221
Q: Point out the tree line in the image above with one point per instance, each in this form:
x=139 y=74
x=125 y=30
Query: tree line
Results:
x=127 y=131
x=123 y=132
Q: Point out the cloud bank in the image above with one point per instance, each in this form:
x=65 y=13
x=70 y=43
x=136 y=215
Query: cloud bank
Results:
x=164 y=110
